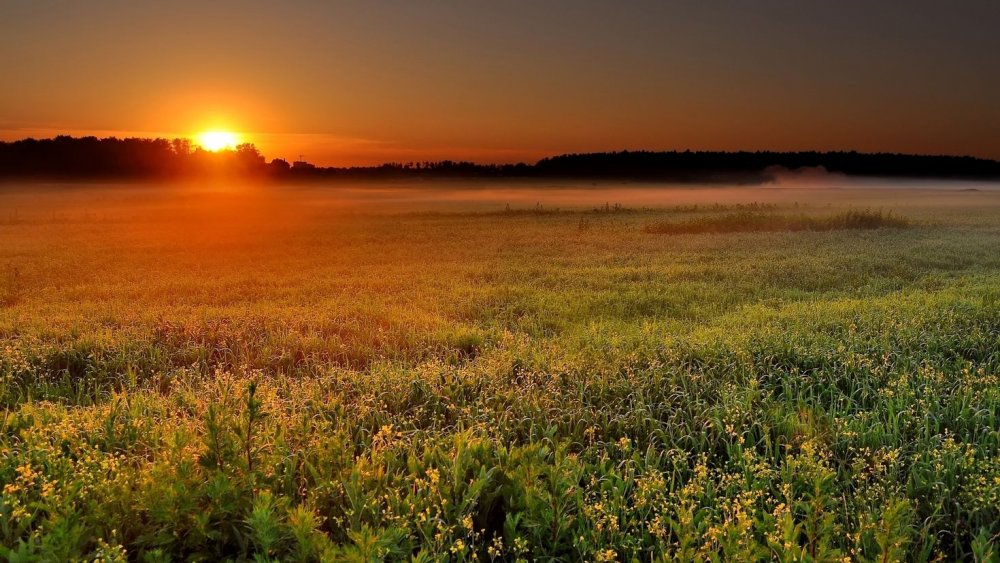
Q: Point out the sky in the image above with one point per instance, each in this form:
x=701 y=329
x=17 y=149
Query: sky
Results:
x=364 y=82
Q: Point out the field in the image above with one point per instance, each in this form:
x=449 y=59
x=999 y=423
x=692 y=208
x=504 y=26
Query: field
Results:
x=499 y=373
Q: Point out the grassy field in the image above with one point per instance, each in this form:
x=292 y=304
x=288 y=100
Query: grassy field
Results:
x=498 y=374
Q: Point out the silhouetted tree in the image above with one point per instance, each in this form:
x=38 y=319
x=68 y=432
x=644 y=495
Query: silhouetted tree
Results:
x=279 y=166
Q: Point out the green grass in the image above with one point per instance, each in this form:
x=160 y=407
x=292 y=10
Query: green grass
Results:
x=241 y=376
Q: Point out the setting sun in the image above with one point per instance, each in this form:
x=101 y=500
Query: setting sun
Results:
x=218 y=140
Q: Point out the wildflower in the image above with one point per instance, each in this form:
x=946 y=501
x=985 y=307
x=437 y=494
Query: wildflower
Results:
x=701 y=471
x=48 y=488
x=496 y=548
x=26 y=473
x=607 y=555
x=520 y=545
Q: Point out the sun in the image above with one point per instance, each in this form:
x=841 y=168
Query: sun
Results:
x=218 y=140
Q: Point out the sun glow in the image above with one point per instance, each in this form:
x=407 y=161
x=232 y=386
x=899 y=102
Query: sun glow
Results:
x=218 y=140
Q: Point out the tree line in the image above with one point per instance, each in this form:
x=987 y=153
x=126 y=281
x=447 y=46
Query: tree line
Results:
x=68 y=157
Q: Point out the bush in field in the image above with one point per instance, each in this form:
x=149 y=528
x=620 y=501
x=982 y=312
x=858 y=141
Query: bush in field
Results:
x=749 y=222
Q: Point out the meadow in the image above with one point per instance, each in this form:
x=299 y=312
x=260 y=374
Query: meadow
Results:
x=499 y=373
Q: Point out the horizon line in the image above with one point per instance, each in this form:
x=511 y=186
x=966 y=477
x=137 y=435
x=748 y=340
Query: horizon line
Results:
x=198 y=147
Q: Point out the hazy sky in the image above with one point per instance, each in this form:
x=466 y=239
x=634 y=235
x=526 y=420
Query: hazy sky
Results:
x=346 y=82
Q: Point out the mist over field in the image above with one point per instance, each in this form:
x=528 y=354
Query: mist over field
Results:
x=803 y=187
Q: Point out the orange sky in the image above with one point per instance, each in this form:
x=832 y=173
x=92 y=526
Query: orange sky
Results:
x=368 y=82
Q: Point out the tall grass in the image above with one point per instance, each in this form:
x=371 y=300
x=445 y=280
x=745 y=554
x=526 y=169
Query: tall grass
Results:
x=12 y=288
